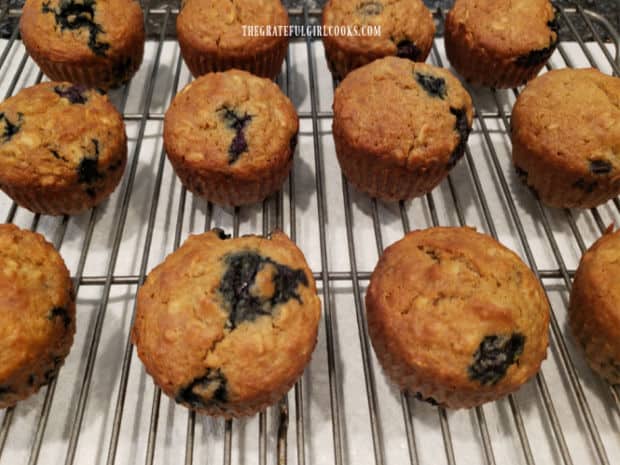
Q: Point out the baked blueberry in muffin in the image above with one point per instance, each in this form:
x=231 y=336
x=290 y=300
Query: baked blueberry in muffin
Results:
x=565 y=137
x=456 y=318
x=399 y=127
x=37 y=313
x=231 y=137
x=63 y=148
x=500 y=43
x=226 y=326
x=97 y=43
x=406 y=30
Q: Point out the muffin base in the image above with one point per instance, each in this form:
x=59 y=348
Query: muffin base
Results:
x=69 y=200
x=106 y=73
x=558 y=187
x=267 y=63
x=227 y=189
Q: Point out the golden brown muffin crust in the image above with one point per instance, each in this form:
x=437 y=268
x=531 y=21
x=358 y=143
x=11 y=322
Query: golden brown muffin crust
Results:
x=212 y=354
x=37 y=313
x=594 y=314
x=216 y=25
x=505 y=28
x=113 y=27
x=384 y=109
x=400 y=20
x=567 y=123
x=437 y=296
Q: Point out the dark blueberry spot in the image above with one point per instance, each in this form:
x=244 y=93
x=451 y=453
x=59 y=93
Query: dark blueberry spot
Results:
x=221 y=234
x=237 y=283
x=600 y=167
x=74 y=15
x=537 y=57
x=554 y=24
x=87 y=170
x=213 y=383
x=494 y=356
x=238 y=123
x=92 y=193
x=434 y=86
x=60 y=312
x=75 y=93
x=10 y=128
x=588 y=187
x=407 y=49
x=5 y=390
x=461 y=126
x=370 y=8
x=31 y=379
x=521 y=173
x=428 y=400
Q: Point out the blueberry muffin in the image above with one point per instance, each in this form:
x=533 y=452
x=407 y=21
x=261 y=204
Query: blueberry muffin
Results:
x=594 y=313
x=400 y=127
x=455 y=317
x=231 y=137
x=566 y=137
x=97 y=43
x=37 y=313
x=407 y=31
x=500 y=43
x=215 y=35
x=226 y=326
x=63 y=148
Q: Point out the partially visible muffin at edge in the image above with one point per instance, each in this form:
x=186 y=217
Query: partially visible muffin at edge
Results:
x=212 y=36
x=594 y=310
x=37 y=313
x=407 y=31
x=566 y=137
x=455 y=317
x=231 y=137
x=63 y=148
x=226 y=326
x=500 y=43
x=98 y=43
x=399 y=127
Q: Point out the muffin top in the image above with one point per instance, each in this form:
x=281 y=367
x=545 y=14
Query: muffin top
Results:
x=81 y=30
x=37 y=309
x=460 y=308
x=522 y=29
x=404 y=23
x=231 y=122
x=408 y=113
x=216 y=25
x=59 y=134
x=572 y=117
x=224 y=321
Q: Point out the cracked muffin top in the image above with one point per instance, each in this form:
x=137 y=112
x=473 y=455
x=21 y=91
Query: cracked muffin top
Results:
x=225 y=326
x=408 y=113
x=572 y=117
x=216 y=25
x=55 y=135
x=407 y=27
x=456 y=316
x=507 y=28
x=231 y=122
x=37 y=313
x=82 y=30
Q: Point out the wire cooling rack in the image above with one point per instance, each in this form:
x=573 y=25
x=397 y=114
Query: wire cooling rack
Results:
x=103 y=408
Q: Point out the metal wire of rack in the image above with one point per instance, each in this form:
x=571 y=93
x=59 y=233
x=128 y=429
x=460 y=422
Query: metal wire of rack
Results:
x=97 y=411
